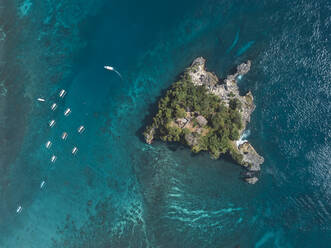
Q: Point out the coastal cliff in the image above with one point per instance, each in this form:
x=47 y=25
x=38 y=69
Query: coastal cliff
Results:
x=208 y=115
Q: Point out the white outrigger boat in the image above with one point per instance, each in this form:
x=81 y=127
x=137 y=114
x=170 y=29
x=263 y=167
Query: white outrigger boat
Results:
x=53 y=159
x=74 y=150
x=19 y=209
x=81 y=129
x=64 y=135
x=48 y=144
x=62 y=93
x=110 y=68
x=52 y=123
x=67 y=112
x=41 y=99
x=42 y=184
x=54 y=106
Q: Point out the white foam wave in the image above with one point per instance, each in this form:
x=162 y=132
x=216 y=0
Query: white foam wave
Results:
x=243 y=137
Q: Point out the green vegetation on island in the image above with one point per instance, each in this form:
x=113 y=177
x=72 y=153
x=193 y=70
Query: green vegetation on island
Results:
x=191 y=115
x=208 y=115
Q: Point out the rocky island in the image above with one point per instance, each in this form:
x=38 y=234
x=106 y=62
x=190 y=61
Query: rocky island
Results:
x=207 y=115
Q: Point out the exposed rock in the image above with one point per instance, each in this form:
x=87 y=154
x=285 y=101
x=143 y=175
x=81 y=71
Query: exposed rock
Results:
x=226 y=91
x=201 y=121
x=200 y=76
x=251 y=180
x=251 y=159
x=149 y=135
x=244 y=68
x=249 y=174
x=198 y=61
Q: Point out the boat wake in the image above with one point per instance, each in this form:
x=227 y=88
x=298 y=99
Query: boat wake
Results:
x=110 y=68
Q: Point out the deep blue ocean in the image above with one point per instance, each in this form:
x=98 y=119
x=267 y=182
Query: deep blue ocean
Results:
x=118 y=191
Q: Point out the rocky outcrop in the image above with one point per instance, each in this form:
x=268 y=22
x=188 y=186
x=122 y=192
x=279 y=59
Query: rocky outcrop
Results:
x=226 y=91
x=149 y=135
x=196 y=126
x=251 y=159
x=251 y=180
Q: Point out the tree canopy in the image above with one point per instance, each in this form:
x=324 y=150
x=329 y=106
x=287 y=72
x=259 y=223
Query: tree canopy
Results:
x=184 y=98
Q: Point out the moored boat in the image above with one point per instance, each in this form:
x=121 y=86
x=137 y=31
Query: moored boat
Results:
x=48 y=144
x=53 y=159
x=81 y=129
x=52 y=123
x=54 y=106
x=67 y=112
x=64 y=135
x=62 y=93
x=19 y=209
x=74 y=150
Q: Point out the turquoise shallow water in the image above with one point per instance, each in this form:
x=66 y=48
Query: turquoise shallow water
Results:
x=118 y=191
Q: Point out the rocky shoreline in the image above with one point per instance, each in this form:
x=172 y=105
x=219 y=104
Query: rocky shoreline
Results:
x=226 y=91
